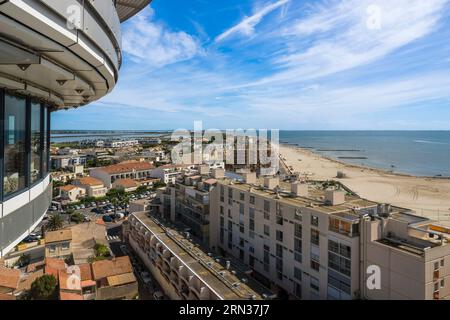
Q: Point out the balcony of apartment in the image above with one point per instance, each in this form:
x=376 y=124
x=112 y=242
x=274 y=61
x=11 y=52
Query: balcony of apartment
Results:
x=345 y=223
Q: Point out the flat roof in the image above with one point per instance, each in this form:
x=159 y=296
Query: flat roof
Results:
x=212 y=273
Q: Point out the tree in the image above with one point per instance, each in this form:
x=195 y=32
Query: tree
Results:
x=77 y=217
x=44 y=288
x=55 y=223
x=101 y=250
x=24 y=260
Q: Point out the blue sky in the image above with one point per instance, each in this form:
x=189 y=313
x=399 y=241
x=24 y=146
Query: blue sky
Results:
x=280 y=64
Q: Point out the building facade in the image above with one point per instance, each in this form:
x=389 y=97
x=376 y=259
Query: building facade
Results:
x=315 y=240
x=54 y=54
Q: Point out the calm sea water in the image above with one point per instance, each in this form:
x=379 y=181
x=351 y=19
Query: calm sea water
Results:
x=424 y=153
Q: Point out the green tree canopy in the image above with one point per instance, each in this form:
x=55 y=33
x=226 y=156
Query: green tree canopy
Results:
x=44 y=288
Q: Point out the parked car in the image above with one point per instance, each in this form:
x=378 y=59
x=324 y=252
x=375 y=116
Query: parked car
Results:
x=87 y=219
x=82 y=206
x=107 y=219
x=53 y=208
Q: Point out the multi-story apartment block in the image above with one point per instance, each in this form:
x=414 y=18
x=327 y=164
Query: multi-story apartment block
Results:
x=312 y=242
x=50 y=60
x=315 y=240
x=187 y=201
x=169 y=173
x=183 y=270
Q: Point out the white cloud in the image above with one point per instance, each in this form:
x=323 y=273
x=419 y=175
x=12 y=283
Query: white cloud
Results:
x=247 y=25
x=145 y=40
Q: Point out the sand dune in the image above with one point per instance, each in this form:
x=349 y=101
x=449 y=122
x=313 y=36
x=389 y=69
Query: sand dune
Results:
x=427 y=196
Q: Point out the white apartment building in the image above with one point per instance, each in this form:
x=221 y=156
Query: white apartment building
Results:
x=183 y=270
x=313 y=243
x=121 y=143
x=317 y=240
x=169 y=173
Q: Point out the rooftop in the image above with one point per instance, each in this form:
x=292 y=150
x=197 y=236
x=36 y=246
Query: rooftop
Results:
x=58 y=235
x=207 y=269
x=315 y=198
x=9 y=278
x=89 y=181
x=126 y=167
x=107 y=268
x=126 y=183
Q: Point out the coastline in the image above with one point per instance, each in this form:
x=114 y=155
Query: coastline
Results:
x=361 y=166
x=428 y=196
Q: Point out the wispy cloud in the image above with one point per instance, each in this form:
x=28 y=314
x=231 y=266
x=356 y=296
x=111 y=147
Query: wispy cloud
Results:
x=247 y=25
x=317 y=64
x=145 y=40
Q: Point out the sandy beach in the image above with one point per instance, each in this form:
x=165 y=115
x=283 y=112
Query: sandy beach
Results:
x=427 y=196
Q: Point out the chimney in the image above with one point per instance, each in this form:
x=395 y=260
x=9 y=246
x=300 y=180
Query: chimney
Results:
x=218 y=173
x=271 y=182
x=334 y=197
x=203 y=169
x=249 y=177
x=299 y=189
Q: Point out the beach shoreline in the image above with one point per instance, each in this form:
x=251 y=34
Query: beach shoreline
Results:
x=428 y=196
x=361 y=166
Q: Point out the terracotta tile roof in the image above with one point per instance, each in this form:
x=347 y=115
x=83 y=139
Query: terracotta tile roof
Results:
x=67 y=188
x=121 y=279
x=58 y=235
x=65 y=283
x=70 y=296
x=86 y=272
x=89 y=181
x=54 y=263
x=9 y=278
x=107 y=268
x=4 y=297
x=126 y=167
x=126 y=183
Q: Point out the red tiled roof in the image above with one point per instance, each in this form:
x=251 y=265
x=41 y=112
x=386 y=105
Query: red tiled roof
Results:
x=53 y=263
x=70 y=296
x=9 y=278
x=125 y=167
x=67 y=188
x=126 y=183
x=106 y=268
x=4 y=297
x=89 y=181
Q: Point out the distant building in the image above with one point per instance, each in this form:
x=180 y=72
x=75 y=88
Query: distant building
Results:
x=135 y=170
x=127 y=185
x=121 y=143
x=94 y=187
x=169 y=173
x=72 y=193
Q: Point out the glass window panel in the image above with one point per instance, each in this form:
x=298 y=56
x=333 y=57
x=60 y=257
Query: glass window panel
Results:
x=36 y=143
x=14 y=178
x=45 y=154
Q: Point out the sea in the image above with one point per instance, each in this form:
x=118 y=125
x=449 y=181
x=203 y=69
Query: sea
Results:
x=421 y=153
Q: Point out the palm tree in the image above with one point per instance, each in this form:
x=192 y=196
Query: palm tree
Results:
x=55 y=223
